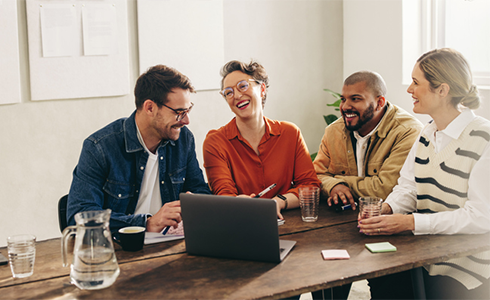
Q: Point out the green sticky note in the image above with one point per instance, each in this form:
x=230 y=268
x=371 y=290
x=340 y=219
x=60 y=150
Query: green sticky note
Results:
x=381 y=247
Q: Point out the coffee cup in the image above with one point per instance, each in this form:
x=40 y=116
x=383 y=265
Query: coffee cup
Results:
x=132 y=238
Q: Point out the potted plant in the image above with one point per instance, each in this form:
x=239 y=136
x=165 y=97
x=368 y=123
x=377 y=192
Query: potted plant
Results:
x=331 y=117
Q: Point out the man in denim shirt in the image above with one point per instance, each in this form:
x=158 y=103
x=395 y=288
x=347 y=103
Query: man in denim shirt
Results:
x=137 y=166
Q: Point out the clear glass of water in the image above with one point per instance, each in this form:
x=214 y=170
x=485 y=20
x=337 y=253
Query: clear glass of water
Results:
x=370 y=207
x=309 y=200
x=22 y=254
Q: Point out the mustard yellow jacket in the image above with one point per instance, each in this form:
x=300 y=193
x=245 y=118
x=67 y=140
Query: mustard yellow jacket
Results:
x=388 y=148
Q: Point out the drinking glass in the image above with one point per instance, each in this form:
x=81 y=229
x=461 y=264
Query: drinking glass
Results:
x=370 y=207
x=309 y=200
x=22 y=254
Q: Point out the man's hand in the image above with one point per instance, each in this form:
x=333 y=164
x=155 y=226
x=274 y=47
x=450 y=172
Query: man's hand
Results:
x=168 y=215
x=341 y=193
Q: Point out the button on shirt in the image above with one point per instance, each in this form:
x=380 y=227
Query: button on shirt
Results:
x=111 y=168
x=233 y=167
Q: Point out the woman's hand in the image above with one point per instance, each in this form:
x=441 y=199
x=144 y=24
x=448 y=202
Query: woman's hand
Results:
x=291 y=201
x=246 y=196
x=279 y=207
x=386 y=224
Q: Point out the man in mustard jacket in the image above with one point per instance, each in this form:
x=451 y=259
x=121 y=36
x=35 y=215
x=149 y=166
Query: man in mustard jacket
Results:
x=361 y=154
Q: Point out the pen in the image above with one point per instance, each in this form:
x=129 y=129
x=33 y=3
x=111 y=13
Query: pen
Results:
x=346 y=207
x=265 y=191
x=166 y=230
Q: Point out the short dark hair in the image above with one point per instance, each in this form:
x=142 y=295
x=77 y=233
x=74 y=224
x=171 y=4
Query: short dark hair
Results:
x=157 y=82
x=373 y=80
x=254 y=69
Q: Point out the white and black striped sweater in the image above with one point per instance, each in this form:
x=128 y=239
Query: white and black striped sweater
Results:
x=442 y=185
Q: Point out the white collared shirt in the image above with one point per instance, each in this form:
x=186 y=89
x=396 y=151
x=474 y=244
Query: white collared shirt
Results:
x=474 y=217
x=361 y=148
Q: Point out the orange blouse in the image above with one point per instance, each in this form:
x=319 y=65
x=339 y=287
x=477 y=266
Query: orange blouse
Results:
x=233 y=167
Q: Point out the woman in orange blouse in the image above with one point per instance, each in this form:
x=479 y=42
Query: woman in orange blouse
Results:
x=252 y=152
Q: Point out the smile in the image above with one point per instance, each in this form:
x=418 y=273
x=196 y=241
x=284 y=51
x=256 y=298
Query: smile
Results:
x=350 y=114
x=242 y=104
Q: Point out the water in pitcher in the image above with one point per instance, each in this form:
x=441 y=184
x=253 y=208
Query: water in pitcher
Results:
x=94 y=263
x=94 y=268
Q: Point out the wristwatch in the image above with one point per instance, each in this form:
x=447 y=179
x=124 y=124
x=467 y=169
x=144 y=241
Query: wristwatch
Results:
x=283 y=198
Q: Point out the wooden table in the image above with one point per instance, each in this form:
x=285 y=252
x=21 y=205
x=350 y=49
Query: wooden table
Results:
x=165 y=271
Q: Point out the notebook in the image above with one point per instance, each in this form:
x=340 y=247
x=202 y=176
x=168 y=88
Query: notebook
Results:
x=232 y=227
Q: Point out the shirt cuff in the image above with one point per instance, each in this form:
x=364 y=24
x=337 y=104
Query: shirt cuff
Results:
x=394 y=208
x=421 y=223
x=146 y=218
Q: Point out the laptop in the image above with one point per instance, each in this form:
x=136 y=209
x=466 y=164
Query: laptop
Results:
x=232 y=227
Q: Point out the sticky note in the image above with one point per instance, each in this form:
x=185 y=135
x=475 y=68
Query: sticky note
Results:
x=335 y=254
x=381 y=247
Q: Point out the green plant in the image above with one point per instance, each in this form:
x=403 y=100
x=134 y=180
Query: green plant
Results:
x=331 y=117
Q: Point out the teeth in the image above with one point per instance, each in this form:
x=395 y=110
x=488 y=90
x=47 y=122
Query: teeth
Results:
x=350 y=115
x=242 y=104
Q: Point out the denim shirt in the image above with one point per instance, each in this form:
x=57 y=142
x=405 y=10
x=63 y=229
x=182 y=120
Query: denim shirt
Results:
x=111 y=168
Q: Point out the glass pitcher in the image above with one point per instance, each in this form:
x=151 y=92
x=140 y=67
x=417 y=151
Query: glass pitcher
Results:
x=94 y=263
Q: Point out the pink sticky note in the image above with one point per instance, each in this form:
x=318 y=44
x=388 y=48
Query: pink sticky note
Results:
x=335 y=254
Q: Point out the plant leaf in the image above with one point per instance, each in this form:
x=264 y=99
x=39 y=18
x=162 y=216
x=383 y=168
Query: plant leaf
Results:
x=335 y=94
x=335 y=104
x=313 y=156
x=330 y=119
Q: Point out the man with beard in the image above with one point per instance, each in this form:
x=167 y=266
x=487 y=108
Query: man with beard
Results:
x=361 y=154
x=137 y=166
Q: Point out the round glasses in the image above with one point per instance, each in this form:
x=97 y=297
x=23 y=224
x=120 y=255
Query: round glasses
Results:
x=181 y=112
x=242 y=86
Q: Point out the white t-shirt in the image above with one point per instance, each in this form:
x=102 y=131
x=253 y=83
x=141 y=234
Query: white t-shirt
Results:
x=149 y=200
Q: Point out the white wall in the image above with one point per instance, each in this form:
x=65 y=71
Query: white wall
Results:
x=306 y=46
x=373 y=41
x=299 y=43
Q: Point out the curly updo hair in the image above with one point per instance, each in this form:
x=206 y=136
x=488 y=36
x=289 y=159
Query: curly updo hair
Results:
x=446 y=65
x=253 y=69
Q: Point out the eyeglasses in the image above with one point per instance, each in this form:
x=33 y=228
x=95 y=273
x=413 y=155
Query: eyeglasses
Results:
x=228 y=93
x=181 y=112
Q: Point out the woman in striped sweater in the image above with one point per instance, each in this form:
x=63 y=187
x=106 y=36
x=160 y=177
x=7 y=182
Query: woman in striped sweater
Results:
x=443 y=186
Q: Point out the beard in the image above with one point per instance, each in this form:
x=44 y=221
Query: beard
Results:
x=363 y=118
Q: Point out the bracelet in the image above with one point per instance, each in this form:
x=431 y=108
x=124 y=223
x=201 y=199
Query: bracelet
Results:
x=283 y=198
